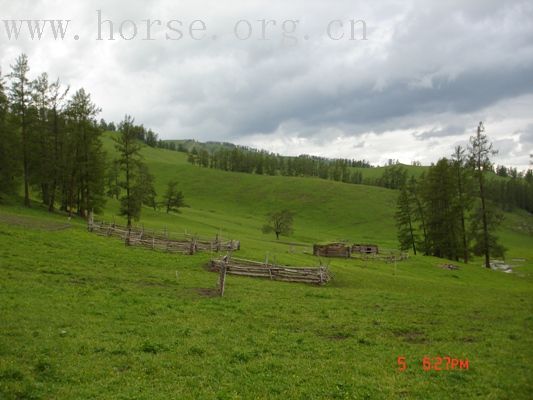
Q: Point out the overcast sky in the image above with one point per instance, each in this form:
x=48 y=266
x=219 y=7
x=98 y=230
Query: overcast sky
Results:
x=428 y=72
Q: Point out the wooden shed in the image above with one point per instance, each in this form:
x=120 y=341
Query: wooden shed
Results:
x=365 y=248
x=332 y=250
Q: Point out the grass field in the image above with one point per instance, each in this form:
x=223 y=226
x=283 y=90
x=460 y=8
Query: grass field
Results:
x=84 y=317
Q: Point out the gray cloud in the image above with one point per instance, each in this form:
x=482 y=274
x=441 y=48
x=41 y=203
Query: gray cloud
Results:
x=428 y=73
x=526 y=137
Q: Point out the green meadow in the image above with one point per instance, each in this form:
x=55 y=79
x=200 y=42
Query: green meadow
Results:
x=85 y=317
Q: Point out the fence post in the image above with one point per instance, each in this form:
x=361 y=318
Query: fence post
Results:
x=268 y=266
x=127 y=242
x=222 y=278
x=192 y=249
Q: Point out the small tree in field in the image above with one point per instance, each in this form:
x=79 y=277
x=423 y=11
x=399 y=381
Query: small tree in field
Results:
x=173 y=198
x=279 y=222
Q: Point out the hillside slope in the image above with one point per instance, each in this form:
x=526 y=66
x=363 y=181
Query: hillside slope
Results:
x=325 y=210
x=85 y=316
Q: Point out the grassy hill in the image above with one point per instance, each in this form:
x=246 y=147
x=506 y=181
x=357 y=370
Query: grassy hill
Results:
x=84 y=316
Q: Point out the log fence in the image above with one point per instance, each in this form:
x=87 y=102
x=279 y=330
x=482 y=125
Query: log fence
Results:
x=236 y=266
x=139 y=237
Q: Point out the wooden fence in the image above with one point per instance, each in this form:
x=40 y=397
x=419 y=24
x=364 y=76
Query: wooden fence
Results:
x=186 y=244
x=388 y=256
x=235 y=266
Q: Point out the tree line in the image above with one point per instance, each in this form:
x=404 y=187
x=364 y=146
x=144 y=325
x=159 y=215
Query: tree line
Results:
x=51 y=150
x=447 y=212
x=252 y=161
x=515 y=191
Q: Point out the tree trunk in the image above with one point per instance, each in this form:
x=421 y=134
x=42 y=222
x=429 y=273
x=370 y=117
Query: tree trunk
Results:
x=25 y=160
x=412 y=236
x=128 y=200
x=486 y=249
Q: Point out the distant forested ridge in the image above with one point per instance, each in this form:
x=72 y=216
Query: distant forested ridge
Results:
x=507 y=187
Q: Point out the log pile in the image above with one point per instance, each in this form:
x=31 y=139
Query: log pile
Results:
x=332 y=250
x=235 y=266
x=186 y=244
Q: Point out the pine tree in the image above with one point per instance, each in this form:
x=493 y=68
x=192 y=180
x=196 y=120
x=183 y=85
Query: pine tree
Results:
x=442 y=219
x=113 y=187
x=173 y=198
x=20 y=99
x=405 y=221
x=480 y=150
x=42 y=147
x=419 y=212
x=129 y=148
x=464 y=195
x=87 y=163
x=145 y=187
x=57 y=97
x=9 y=167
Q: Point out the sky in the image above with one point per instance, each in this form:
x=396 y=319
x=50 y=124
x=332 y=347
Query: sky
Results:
x=410 y=82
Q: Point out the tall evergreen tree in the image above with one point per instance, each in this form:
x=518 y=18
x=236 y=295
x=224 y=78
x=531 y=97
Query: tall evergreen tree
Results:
x=87 y=168
x=129 y=148
x=480 y=150
x=113 y=186
x=43 y=166
x=405 y=221
x=419 y=212
x=20 y=99
x=57 y=121
x=9 y=168
x=442 y=220
x=464 y=195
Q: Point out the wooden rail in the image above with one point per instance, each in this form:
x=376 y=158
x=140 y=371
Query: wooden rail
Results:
x=186 y=244
x=235 y=266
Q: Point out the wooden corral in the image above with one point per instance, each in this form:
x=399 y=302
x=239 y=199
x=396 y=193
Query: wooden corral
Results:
x=186 y=244
x=332 y=250
x=365 y=248
x=235 y=266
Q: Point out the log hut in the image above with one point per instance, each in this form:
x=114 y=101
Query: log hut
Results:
x=332 y=250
